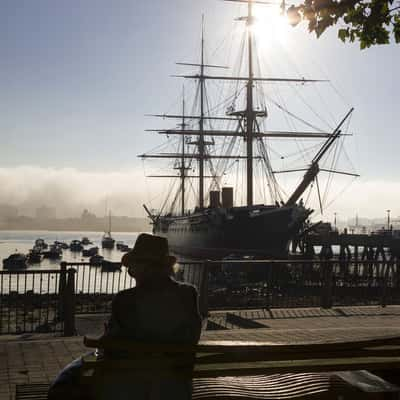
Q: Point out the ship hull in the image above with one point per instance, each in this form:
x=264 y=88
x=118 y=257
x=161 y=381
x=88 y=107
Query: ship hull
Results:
x=217 y=233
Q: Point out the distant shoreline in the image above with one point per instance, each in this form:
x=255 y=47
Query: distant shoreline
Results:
x=71 y=230
x=86 y=224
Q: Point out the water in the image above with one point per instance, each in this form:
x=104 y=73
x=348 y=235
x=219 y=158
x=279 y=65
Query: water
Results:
x=23 y=241
x=89 y=279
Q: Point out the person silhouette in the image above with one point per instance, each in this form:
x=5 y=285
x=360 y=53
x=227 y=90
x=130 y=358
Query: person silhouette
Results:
x=158 y=309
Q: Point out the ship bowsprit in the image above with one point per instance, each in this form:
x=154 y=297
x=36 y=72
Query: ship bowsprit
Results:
x=215 y=233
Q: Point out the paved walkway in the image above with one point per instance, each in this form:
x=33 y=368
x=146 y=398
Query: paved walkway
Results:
x=38 y=358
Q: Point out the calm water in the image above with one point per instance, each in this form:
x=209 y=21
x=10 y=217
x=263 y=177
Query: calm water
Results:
x=89 y=279
x=23 y=241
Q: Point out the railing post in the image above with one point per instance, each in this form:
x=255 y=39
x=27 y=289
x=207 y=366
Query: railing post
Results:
x=326 y=294
x=61 y=289
x=69 y=304
x=203 y=291
x=385 y=277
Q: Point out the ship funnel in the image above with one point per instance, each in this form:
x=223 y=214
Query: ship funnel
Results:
x=227 y=197
x=215 y=201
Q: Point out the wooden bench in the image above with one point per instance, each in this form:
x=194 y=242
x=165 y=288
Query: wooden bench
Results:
x=253 y=370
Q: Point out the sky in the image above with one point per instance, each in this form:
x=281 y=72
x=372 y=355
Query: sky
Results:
x=78 y=77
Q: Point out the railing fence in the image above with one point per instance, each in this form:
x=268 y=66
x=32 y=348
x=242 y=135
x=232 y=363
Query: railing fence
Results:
x=47 y=300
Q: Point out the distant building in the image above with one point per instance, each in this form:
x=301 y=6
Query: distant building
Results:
x=88 y=216
x=45 y=212
x=7 y=211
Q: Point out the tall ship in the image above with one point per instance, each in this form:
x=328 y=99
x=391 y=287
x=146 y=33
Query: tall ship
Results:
x=209 y=144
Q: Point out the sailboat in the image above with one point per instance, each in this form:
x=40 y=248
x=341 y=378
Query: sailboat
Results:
x=107 y=241
x=216 y=228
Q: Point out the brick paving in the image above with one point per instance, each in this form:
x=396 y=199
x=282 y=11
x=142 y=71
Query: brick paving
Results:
x=38 y=358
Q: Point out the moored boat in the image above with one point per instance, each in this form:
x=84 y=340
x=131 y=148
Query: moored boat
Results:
x=54 y=253
x=107 y=242
x=35 y=256
x=85 y=241
x=63 y=245
x=121 y=246
x=124 y=248
x=76 y=245
x=110 y=266
x=15 y=261
x=41 y=244
x=90 y=252
x=96 y=260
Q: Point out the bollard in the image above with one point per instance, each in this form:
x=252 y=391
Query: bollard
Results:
x=69 y=304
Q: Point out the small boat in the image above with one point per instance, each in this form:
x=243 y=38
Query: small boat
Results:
x=90 y=252
x=35 y=256
x=85 y=241
x=54 y=253
x=96 y=260
x=124 y=248
x=40 y=243
x=107 y=242
x=76 y=245
x=110 y=266
x=63 y=245
x=15 y=261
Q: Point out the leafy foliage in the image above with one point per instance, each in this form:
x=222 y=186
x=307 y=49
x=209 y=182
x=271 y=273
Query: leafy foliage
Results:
x=369 y=22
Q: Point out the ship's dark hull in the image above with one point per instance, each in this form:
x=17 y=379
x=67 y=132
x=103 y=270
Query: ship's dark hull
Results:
x=216 y=233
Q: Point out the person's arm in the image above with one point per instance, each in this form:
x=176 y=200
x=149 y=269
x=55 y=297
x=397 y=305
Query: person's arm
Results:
x=113 y=327
x=193 y=323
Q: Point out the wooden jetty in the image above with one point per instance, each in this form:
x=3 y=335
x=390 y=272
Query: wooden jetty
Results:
x=358 y=247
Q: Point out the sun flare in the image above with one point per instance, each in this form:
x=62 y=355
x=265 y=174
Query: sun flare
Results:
x=270 y=24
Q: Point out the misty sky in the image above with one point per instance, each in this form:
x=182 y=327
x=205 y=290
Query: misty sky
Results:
x=77 y=78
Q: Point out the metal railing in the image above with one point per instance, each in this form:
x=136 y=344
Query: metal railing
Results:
x=95 y=287
x=299 y=283
x=47 y=300
x=29 y=301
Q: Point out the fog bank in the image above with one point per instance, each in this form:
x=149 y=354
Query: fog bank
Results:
x=70 y=191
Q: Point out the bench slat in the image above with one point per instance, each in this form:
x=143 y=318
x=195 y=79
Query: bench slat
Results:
x=306 y=386
x=230 y=346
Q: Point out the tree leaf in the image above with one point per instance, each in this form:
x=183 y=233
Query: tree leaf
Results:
x=343 y=34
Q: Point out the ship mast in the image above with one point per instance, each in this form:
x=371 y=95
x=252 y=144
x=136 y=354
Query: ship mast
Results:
x=249 y=106
x=201 y=122
x=182 y=166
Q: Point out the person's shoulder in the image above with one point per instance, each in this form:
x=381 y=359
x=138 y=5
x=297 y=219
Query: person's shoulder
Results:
x=186 y=288
x=124 y=295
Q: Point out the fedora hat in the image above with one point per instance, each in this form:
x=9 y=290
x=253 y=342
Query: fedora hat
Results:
x=149 y=248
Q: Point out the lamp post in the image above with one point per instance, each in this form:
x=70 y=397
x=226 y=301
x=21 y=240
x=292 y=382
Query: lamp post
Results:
x=334 y=221
x=388 y=219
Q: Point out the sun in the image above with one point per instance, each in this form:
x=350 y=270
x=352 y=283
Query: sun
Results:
x=270 y=24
